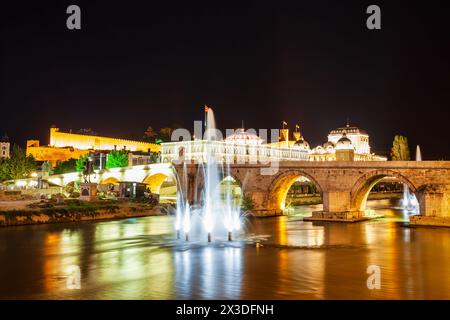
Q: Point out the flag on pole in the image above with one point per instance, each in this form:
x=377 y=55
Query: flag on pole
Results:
x=297 y=126
x=284 y=123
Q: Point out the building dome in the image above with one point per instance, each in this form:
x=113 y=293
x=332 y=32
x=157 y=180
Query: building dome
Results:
x=348 y=129
x=328 y=144
x=301 y=144
x=240 y=136
x=344 y=142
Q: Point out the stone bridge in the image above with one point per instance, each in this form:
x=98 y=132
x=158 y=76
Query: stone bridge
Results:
x=344 y=186
x=153 y=174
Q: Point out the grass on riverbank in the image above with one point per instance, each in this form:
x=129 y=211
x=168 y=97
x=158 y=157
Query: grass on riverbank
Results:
x=67 y=207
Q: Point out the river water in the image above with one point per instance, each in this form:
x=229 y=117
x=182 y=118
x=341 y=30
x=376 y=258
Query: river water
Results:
x=140 y=259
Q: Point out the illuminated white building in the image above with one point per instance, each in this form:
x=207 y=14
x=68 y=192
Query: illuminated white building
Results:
x=347 y=143
x=239 y=147
x=344 y=144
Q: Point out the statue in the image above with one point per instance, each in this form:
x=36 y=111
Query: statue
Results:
x=88 y=170
x=46 y=169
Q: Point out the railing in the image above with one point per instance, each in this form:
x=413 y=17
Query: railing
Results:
x=201 y=150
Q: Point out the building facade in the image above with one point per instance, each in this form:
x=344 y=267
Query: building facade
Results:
x=5 y=147
x=239 y=147
x=347 y=143
x=344 y=144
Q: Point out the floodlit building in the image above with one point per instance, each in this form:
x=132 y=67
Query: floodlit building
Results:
x=65 y=145
x=347 y=143
x=5 y=147
x=241 y=147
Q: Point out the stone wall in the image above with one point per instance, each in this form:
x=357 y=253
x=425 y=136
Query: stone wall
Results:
x=85 y=142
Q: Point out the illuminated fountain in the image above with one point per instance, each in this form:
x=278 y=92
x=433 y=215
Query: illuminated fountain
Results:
x=418 y=154
x=217 y=214
x=409 y=200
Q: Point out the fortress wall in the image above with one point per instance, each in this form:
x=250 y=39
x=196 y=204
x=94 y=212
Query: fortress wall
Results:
x=85 y=142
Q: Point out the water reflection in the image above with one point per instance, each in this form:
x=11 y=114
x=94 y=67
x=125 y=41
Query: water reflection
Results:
x=141 y=259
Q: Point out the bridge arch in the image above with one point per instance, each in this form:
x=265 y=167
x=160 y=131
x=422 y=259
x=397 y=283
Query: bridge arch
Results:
x=156 y=180
x=361 y=189
x=281 y=184
x=110 y=180
x=231 y=183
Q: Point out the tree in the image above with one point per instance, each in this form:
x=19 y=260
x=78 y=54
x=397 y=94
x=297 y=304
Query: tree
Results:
x=4 y=169
x=80 y=164
x=400 y=149
x=165 y=134
x=247 y=203
x=117 y=159
x=19 y=166
x=66 y=166
x=150 y=134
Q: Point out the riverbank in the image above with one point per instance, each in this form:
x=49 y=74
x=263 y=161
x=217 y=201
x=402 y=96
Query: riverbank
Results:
x=73 y=210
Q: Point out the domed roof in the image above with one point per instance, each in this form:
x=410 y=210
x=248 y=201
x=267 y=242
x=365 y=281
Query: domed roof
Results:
x=344 y=142
x=243 y=137
x=301 y=144
x=328 y=144
x=348 y=129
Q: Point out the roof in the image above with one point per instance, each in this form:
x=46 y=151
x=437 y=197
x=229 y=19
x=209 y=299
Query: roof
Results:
x=349 y=130
x=5 y=138
x=240 y=135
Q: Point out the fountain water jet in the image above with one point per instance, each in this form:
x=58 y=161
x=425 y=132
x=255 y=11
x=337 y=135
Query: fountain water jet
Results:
x=216 y=214
x=409 y=200
x=418 y=154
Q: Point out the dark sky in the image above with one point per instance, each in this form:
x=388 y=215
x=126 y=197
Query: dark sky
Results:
x=136 y=64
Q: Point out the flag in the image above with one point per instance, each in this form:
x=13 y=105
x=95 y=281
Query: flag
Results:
x=284 y=123
x=297 y=126
x=206 y=108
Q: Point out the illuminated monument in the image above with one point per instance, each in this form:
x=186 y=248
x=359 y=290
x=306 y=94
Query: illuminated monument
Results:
x=64 y=145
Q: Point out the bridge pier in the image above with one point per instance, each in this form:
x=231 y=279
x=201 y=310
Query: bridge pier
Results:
x=434 y=203
x=263 y=207
x=337 y=206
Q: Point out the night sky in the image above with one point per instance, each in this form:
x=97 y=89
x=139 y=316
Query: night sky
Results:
x=135 y=64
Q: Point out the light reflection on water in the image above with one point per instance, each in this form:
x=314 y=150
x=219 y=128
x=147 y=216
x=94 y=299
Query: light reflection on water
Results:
x=140 y=259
